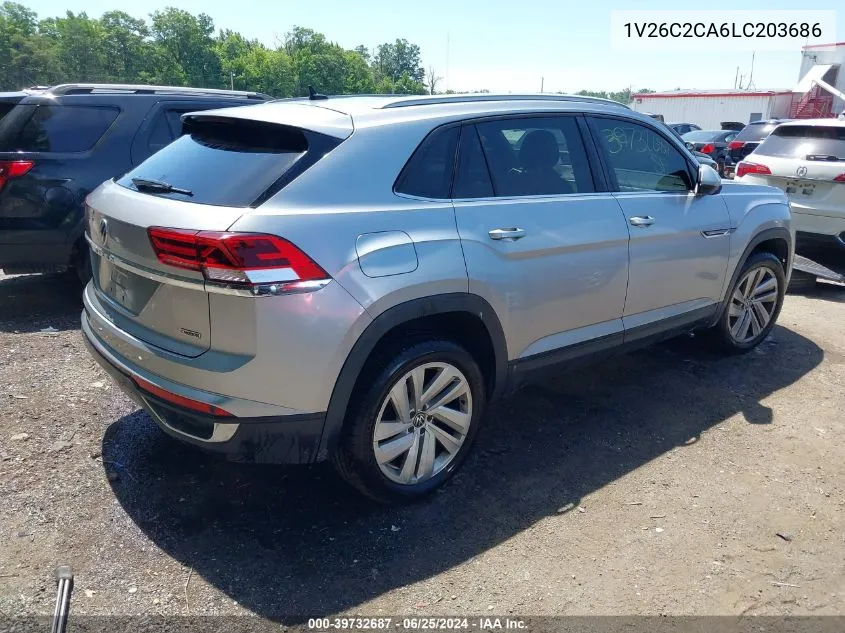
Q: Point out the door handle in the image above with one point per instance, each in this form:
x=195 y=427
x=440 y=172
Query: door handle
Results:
x=506 y=234
x=641 y=220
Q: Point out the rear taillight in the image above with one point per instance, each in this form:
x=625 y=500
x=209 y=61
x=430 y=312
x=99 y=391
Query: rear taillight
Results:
x=735 y=144
x=839 y=178
x=707 y=149
x=744 y=168
x=13 y=169
x=239 y=259
x=181 y=401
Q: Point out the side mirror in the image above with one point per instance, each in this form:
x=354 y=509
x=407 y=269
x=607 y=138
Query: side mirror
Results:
x=709 y=182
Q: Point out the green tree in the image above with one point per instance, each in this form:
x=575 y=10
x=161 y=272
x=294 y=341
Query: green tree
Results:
x=185 y=48
x=80 y=46
x=126 y=47
x=397 y=59
x=359 y=76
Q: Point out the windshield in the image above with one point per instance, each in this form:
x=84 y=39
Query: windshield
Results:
x=808 y=142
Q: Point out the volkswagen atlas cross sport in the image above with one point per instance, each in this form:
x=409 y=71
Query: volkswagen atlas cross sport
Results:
x=355 y=278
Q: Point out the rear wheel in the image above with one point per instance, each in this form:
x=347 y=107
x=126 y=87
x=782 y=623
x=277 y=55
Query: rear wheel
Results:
x=754 y=303
x=411 y=425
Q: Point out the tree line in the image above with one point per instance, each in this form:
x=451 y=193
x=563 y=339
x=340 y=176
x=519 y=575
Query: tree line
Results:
x=176 y=47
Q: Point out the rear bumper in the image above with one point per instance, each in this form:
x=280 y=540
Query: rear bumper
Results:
x=285 y=439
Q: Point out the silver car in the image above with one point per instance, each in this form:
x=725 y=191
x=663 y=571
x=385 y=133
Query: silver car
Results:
x=356 y=278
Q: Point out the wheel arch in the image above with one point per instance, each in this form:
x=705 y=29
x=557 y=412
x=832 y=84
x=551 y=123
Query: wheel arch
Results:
x=427 y=312
x=776 y=240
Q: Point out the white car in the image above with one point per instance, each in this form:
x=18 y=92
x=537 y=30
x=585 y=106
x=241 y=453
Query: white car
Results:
x=806 y=159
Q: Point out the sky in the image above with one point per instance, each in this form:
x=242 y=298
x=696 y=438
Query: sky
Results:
x=498 y=45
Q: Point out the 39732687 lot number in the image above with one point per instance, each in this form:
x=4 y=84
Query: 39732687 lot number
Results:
x=351 y=624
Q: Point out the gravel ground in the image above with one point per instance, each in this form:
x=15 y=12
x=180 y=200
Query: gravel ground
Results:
x=669 y=481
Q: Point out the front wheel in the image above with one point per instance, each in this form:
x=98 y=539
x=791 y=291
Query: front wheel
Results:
x=411 y=425
x=754 y=303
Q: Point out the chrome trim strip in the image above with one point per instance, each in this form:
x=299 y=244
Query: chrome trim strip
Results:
x=264 y=290
x=146 y=272
x=716 y=232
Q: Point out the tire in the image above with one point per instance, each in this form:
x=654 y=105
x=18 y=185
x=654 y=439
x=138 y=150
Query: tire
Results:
x=759 y=270
x=372 y=405
x=720 y=168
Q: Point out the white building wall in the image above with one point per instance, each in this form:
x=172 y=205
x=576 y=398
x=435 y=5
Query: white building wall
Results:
x=834 y=56
x=709 y=111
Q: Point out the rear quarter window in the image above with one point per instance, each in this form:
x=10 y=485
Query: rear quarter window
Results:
x=226 y=162
x=57 y=128
x=428 y=173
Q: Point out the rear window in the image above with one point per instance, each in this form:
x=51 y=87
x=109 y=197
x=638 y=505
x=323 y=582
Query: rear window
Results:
x=223 y=162
x=700 y=136
x=809 y=142
x=54 y=128
x=753 y=132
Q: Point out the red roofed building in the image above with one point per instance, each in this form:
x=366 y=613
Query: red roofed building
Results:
x=820 y=93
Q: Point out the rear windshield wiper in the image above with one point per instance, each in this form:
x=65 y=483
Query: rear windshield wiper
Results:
x=828 y=157
x=154 y=186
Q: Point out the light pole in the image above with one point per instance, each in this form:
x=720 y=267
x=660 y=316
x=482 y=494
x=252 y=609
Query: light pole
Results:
x=232 y=79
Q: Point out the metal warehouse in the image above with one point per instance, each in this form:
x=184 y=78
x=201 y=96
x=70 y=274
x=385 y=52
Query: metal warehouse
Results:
x=709 y=108
x=819 y=93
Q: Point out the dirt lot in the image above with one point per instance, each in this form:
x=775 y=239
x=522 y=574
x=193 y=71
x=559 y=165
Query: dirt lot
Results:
x=657 y=483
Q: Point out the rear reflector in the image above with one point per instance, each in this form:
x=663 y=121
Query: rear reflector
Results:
x=735 y=144
x=181 y=401
x=243 y=259
x=13 y=169
x=744 y=168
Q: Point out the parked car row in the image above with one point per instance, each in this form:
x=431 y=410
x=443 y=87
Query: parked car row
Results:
x=57 y=144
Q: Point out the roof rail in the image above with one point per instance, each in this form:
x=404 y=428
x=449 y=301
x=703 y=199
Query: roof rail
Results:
x=85 y=88
x=469 y=98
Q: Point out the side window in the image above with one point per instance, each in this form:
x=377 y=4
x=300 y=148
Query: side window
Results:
x=174 y=117
x=472 y=179
x=166 y=127
x=536 y=156
x=160 y=133
x=428 y=173
x=55 y=128
x=642 y=159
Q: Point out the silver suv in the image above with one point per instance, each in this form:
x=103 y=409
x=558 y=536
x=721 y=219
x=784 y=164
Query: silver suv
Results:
x=356 y=278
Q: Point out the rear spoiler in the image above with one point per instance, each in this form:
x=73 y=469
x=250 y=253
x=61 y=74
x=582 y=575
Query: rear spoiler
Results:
x=291 y=114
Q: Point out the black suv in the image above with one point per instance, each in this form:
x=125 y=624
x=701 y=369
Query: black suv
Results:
x=58 y=144
x=747 y=141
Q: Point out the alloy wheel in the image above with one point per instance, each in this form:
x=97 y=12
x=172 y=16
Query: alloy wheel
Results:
x=752 y=304
x=422 y=423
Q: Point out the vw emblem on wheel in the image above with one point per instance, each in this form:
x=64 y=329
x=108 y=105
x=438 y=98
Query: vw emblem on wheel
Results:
x=104 y=229
x=801 y=171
